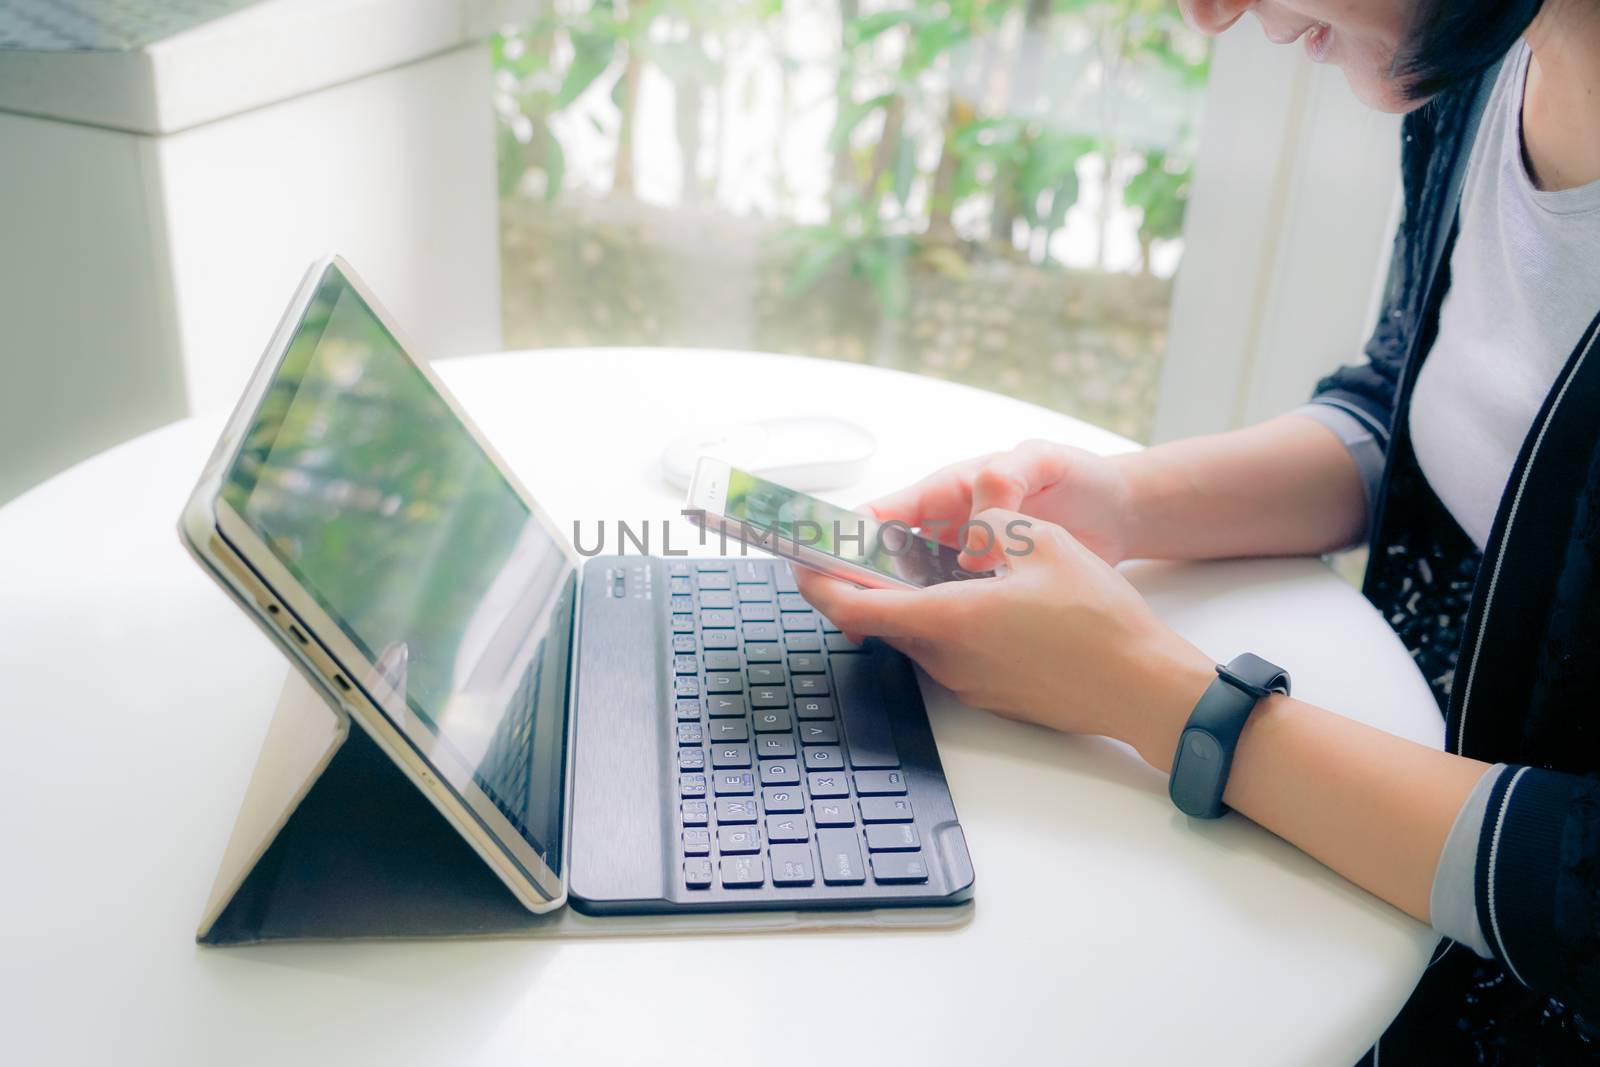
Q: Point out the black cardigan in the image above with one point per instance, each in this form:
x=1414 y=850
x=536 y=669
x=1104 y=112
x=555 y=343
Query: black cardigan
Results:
x=1526 y=685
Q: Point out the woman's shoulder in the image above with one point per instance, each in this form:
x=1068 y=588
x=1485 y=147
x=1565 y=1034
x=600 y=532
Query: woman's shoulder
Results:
x=1431 y=136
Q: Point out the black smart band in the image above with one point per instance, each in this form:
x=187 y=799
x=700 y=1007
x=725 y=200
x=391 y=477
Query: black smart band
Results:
x=1205 y=750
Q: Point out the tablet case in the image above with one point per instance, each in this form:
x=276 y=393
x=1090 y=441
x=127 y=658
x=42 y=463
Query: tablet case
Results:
x=333 y=841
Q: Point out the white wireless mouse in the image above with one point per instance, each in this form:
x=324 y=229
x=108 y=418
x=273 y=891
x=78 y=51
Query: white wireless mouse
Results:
x=811 y=454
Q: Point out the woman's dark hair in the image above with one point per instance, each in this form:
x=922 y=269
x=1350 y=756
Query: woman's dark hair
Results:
x=1455 y=40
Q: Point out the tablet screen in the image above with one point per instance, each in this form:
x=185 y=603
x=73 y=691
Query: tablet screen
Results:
x=367 y=487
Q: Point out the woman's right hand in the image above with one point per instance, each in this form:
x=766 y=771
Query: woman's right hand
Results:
x=1086 y=494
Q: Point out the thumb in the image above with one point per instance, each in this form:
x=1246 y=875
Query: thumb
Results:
x=1000 y=537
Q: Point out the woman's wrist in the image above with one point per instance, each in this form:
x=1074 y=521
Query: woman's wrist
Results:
x=1177 y=680
x=1144 y=478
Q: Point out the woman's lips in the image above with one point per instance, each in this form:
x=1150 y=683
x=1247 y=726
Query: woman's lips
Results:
x=1318 y=40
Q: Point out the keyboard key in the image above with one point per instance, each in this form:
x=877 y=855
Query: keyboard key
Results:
x=691 y=759
x=880 y=784
x=697 y=874
x=721 y=660
x=839 y=643
x=681 y=604
x=792 y=602
x=695 y=813
x=724 y=682
x=774 y=746
x=732 y=839
x=827 y=785
x=749 y=594
x=824 y=758
x=757 y=613
x=791 y=865
x=690 y=733
x=678 y=585
x=719 y=639
x=867 y=731
x=893 y=868
x=841 y=857
x=802 y=642
x=786 y=828
x=734 y=810
x=743 y=872
x=780 y=772
x=768 y=696
x=714 y=580
x=885 y=809
x=892 y=837
x=683 y=624
x=763 y=652
x=697 y=842
x=686 y=687
x=692 y=786
x=683 y=644
x=722 y=706
x=708 y=566
x=717 y=620
x=772 y=720
x=833 y=813
x=809 y=685
x=807 y=663
x=686 y=709
x=685 y=664
x=819 y=733
x=765 y=674
x=760 y=631
x=797 y=622
x=678 y=568
x=782 y=801
x=814 y=708
x=726 y=756
x=722 y=730
x=753 y=571
x=783 y=579
x=716 y=600
x=828 y=627
x=734 y=783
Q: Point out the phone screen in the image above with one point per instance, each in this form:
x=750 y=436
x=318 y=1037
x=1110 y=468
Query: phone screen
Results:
x=793 y=518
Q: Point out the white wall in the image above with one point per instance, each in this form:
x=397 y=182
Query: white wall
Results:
x=140 y=277
x=1288 y=229
x=88 y=349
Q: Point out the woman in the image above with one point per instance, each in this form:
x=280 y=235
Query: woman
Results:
x=1464 y=450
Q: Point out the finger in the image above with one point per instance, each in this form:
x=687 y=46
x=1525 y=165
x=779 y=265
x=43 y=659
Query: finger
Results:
x=1005 y=538
x=865 y=612
x=937 y=504
x=1010 y=478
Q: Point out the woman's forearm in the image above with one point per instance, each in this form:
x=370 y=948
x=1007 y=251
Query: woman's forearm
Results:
x=1374 y=807
x=1286 y=487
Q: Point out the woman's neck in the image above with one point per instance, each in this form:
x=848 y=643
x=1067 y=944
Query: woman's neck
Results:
x=1561 y=105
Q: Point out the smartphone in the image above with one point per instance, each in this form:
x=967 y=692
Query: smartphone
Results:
x=845 y=544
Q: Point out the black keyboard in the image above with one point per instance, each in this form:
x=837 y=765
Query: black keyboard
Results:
x=787 y=771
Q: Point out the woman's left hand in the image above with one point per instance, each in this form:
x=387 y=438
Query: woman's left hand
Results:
x=1060 y=639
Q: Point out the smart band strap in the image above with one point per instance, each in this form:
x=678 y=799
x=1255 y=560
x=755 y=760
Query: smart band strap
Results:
x=1205 y=750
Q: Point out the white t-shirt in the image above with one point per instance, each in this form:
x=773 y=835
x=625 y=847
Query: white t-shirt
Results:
x=1525 y=282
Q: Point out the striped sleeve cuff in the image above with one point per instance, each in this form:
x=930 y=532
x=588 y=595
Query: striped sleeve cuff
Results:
x=1452 y=904
x=1359 y=438
x=1519 y=859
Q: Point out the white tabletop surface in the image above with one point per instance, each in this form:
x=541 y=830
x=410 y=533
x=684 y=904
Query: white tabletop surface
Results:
x=1109 y=929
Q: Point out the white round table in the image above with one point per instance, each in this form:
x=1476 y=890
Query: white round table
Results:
x=1108 y=929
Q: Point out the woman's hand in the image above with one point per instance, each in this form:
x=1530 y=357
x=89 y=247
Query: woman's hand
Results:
x=1060 y=639
x=1077 y=490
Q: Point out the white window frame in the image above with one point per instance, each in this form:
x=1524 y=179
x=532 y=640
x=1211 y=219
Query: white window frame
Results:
x=1295 y=199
